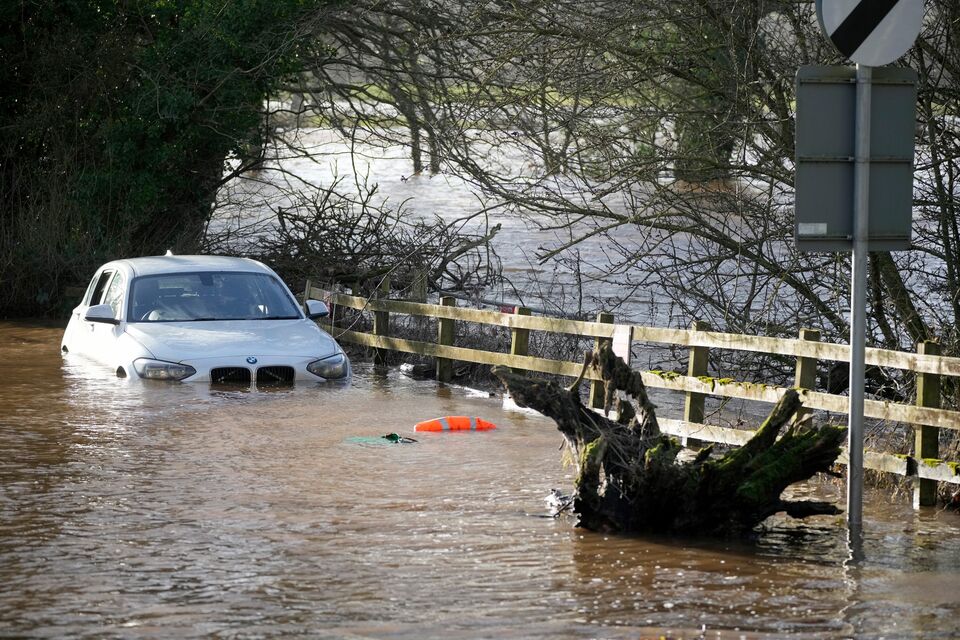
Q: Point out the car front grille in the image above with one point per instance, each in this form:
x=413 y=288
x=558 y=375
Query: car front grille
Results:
x=230 y=375
x=272 y=376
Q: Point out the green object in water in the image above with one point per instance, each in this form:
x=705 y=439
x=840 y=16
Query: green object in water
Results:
x=397 y=438
x=390 y=438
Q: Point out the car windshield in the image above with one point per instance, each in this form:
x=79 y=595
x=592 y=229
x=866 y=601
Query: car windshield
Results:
x=205 y=296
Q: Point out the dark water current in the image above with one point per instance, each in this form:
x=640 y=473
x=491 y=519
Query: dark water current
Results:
x=131 y=510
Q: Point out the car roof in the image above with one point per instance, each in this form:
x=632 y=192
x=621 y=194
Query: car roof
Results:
x=153 y=265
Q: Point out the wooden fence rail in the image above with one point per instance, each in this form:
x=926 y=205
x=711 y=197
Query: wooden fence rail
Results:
x=926 y=416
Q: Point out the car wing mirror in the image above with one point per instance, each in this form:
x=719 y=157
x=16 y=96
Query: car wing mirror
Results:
x=317 y=309
x=101 y=313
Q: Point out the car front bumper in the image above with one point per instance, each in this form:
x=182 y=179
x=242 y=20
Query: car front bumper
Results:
x=255 y=370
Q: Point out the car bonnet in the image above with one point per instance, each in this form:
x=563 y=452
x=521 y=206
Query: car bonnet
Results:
x=180 y=341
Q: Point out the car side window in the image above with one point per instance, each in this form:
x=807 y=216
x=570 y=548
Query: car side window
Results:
x=114 y=294
x=97 y=286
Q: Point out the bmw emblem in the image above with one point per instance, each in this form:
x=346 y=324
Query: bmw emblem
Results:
x=251 y=360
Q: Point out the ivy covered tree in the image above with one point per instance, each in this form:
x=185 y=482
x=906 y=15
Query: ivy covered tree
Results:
x=117 y=122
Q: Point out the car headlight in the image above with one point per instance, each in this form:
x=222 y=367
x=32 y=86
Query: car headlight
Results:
x=331 y=368
x=160 y=370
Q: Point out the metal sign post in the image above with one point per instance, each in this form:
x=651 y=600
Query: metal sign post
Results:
x=869 y=33
x=858 y=305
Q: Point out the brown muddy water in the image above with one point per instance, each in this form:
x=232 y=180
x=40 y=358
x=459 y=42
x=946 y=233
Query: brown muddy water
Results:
x=132 y=510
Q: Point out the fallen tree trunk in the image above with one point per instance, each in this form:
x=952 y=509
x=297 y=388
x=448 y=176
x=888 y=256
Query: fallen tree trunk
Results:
x=629 y=478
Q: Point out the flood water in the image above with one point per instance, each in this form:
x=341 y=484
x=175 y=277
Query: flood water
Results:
x=326 y=159
x=133 y=510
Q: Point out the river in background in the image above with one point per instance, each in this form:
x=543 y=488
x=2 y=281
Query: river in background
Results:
x=323 y=159
x=134 y=510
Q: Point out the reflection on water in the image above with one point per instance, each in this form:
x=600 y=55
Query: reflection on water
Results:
x=139 y=511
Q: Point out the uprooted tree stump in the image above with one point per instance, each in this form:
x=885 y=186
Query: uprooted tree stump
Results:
x=629 y=478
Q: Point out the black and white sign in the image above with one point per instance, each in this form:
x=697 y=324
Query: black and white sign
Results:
x=871 y=32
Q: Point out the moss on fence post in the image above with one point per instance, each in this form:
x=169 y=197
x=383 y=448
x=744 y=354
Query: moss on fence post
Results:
x=381 y=321
x=926 y=438
x=806 y=372
x=695 y=403
x=519 y=338
x=445 y=334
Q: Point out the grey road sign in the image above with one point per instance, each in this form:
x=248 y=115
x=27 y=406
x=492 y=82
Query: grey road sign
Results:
x=871 y=32
x=825 y=148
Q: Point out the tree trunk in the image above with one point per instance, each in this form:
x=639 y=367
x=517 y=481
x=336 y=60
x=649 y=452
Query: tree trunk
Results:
x=628 y=476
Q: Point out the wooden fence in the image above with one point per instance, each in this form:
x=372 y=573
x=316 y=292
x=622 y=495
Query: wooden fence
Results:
x=926 y=416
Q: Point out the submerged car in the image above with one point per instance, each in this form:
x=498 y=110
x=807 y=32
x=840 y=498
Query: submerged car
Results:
x=202 y=319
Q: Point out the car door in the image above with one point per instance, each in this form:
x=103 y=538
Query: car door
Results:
x=97 y=339
x=105 y=335
x=79 y=335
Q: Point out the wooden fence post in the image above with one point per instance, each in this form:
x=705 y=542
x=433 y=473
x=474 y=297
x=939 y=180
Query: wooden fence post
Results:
x=381 y=321
x=520 y=338
x=926 y=440
x=596 y=387
x=418 y=285
x=694 y=405
x=806 y=376
x=445 y=333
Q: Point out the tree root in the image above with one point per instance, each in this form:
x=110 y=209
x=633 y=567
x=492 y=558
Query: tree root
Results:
x=628 y=476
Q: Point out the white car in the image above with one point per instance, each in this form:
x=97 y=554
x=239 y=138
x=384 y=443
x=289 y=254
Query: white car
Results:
x=202 y=319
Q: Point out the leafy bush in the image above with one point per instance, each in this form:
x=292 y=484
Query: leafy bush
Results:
x=118 y=119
